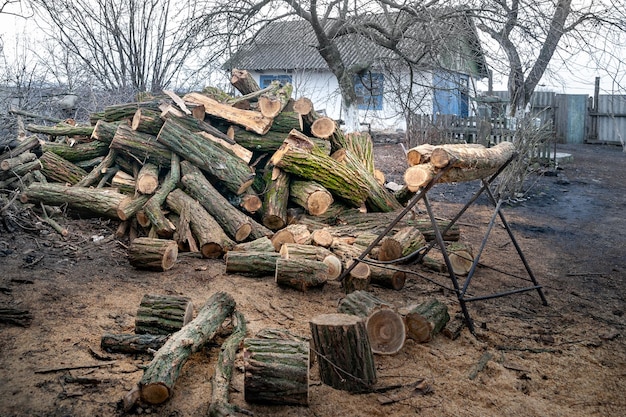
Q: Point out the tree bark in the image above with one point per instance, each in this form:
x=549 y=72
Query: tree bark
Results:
x=131 y=205
x=252 y=263
x=211 y=238
x=159 y=377
x=57 y=169
x=344 y=353
x=300 y=274
x=275 y=199
x=152 y=254
x=276 y=371
x=162 y=314
x=97 y=171
x=162 y=225
x=78 y=151
x=227 y=168
x=105 y=131
x=296 y=250
x=132 y=343
x=126 y=111
x=472 y=156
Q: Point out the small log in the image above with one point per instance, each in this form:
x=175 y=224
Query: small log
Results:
x=311 y=196
x=212 y=239
x=152 y=254
x=262 y=244
x=243 y=81
x=105 y=131
x=62 y=129
x=344 y=353
x=244 y=154
x=472 y=156
x=179 y=101
x=126 y=111
x=269 y=142
x=131 y=205
x=57 y=169
x=426 y=320
x=162 y=314
x=390 y=249
x=132 y=343
x=11 y=163
x=25 y=145
x=147 y=179
x=258 y=264
x=275 y=199
x=453 y=329
x=300 y=274
x=419 y=154
x=121 y=180
x=321 y=237
x=276 y=371
x=147 y=121
x=358 y=279
x=160 y=375
x=235 y=223
x=294 y=233
x=272 y=102
x=410 y=240
x=323 y=127
x=220 y=383
x=78 y=151
x=335 y=267
x=297 y=250
x=385 y=327
x=251 y=120
x=97 y=171
x=461 y=257
x=387 y=278
x=162 y=225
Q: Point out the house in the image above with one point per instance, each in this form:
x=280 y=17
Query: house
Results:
x=450 y=63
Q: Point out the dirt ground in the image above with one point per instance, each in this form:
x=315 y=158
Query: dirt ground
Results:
x=564 y=359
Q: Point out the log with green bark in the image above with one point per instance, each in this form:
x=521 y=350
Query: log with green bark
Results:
x=98 y=170
x=159 y=378
x=426 y=320
x=58 y=169
x=387 y=278
x=25 y=145
x=269 y=142
x=251 y=263
x=162 y=314
x=243 y=81
x=300 y=274
x=130 y=206
x=147 y=121
x=132 y=343
x=262 y=244
x=161 y=224
x=344 y=352
x=105 y=131
x=123 y=111
x=140 y=147
x=62 y=129
x=235 y=223
x=275 y=199
x=276 y=371
x=97 y=201
x=78 y=151
x=225 y=167
x=211 y=237
x=152 y=254
x=311 y=196
x=12 y=163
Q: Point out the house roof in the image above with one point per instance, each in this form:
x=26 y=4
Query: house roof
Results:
x=291 y=45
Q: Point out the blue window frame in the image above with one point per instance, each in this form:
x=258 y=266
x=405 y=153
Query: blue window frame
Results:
x=266 y=80
x=369 y=91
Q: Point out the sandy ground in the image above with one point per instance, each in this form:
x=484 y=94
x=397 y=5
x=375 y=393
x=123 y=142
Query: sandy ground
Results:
x=564 y=359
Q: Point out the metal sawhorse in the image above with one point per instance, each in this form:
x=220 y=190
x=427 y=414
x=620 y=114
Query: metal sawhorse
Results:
x=417 y=256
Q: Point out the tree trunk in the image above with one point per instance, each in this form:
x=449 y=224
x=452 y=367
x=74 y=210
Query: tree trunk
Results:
x=152 y=254
x=162 y=314
x=78 y=151
x=258 y=264
x=276 y=371
x=311 y=196
x=385 y=327
x=300 y=274
x=426 y=320
x=132 y=343
x=211 y=238
x=57 y=169
x=243 y=81
x=227 y=168
x=159 y=377
x=344 y=353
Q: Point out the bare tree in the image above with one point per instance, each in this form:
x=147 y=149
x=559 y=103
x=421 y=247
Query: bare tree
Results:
x=530 y=32
x=138 y=45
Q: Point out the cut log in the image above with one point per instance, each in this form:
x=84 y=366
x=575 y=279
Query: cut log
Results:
x=140 y=147
x=162 y=314
x=243 y=153
x=297 y=250
x=131 y=205
x=236 y=224
x=358 y=279
x=220 y=383
x=410 y=239
x=323 y=127
x=119 y=179
x=132 y=343
x=25 y=145
x=461 y=257
x=152 y=254
x=178 y=101
x=243 y=81
x=300 y=274
x=453 y=329
x=385 y=327
x=472 y=156
x=251 y=120
x=77 y=152
x=426 y=320
x=160 y=375
x=335 y=267
x=98 y=202
x=321 y=237
x=387 y=278
x=227 y=168
x=196 y=126
x=211 y=237
x=419 y=154
x=258 y=264
x=147 y=179
x=126 y=111
x=55 y=168
x=11 y=163
x=162 y=225
x=417 y=176
x=269 y=142
x=272 y=102
x=344 y=353
x=147 y=121
x=97 y=171
x=311 y=196
x=262 y=244
x=276 y=371
x=390 y=249
x=105 y=131
x=275 y=199
x=62 y=129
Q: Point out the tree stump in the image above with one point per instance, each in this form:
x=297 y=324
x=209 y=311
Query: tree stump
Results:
x=300 y=274
x=426 y=320
x=160 y=375
x=276 y=371
x=152 y=254
x=162 y=314
x=344 y=354
x=385 y=327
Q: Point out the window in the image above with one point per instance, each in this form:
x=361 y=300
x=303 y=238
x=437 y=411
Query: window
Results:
x=369 y=91
x=266 y=80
